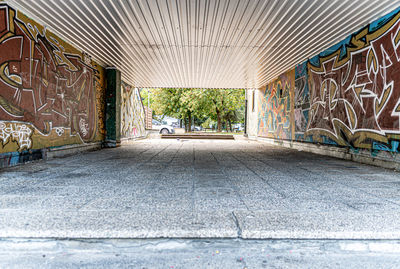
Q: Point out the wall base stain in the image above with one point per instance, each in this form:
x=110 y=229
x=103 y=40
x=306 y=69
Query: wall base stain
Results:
x=14 y=158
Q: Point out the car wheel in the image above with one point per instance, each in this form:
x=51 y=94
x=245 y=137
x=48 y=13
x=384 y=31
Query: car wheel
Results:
x=164 y=131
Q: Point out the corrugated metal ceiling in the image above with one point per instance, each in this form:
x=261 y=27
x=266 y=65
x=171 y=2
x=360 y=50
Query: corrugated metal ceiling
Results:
x=203 y=43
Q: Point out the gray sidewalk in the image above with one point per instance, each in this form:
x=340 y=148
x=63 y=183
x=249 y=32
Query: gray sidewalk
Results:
x=199 y=189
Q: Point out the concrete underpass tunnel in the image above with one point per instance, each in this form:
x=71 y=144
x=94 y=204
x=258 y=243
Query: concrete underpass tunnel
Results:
x=320 y=79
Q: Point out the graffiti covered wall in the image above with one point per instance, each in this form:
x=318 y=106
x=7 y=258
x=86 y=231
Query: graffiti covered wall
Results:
x=301 y=101
x=275 y=108
x=355 y=89
x=347 y=96
x=132 y=112
x=51 y=94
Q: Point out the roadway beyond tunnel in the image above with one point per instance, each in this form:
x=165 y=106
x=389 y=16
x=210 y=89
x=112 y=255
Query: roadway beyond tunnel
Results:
x=197 y=189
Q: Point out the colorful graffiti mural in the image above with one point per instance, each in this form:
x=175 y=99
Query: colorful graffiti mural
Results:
x=49 y=91
x=348 y=95
x=301 y=101
x=132 y=112
x=275 y=116
x=355 y=89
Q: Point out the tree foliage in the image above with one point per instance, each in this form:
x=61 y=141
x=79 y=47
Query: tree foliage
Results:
x=224 y=104
x=216 y=104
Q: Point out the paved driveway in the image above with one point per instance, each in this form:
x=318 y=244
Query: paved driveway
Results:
x=199 y=189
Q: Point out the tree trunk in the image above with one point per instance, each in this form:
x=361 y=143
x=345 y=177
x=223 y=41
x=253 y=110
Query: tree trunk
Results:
x=190 y=123
x=219 y=126
x=230 y=125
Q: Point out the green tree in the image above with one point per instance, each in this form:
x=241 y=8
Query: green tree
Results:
x=147 y=95
x=177 y=103
x=219 y=105
x=223 y=104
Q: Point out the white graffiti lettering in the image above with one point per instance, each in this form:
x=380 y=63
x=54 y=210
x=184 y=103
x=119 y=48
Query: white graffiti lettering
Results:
x=19 y=133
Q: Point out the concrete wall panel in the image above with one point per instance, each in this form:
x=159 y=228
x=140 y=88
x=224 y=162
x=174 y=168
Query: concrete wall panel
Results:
x=252 y=97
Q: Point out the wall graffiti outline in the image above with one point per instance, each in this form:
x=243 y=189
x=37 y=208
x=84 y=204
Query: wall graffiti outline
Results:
x=301 y=101
x=132 y=112
x=355 y=91
x=20 y=133
x=42 y=85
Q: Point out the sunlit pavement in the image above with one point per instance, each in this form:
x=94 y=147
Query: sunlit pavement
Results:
x=200 y=189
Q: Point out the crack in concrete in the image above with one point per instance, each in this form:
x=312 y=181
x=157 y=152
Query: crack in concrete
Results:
x=239 y=229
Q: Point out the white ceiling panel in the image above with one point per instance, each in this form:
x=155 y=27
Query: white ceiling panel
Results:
x=203 y=43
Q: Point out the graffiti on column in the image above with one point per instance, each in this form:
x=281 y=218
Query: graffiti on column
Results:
x=132 y=112
x=275 y=117
x=355 y=89
x=301 y=101
x=43 y=87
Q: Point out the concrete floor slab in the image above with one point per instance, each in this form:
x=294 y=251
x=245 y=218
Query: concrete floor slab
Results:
x=199 y=189
x=321 y=225
x=117 y=224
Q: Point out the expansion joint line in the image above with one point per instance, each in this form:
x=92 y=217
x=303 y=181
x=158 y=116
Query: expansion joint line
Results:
x=259 y=176
x=235 y=188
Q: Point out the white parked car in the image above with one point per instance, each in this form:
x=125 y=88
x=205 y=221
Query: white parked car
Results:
x=238 y=127
x=196 y=128
x=163 y=128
